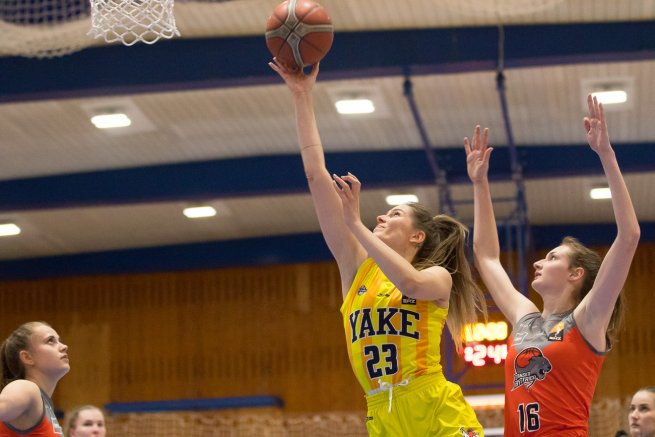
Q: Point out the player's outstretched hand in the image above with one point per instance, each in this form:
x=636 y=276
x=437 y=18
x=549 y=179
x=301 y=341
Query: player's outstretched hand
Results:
x=297 y=81
x=348 y=188
x=477 y=155
x=596 y=127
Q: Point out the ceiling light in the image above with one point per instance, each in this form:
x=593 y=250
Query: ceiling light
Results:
x=199 y=211
x=401 y=199
x=611 y=97
x=109 y=121
x=356 y=99
x=616 y=93
x=600 y=193
x=9 y=229
x=123 y=113
x=355 y=106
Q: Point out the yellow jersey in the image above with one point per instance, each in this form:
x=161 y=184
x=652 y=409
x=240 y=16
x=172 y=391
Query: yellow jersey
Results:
x=390 y=337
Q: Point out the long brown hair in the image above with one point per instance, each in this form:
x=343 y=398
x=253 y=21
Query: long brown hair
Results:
x=590 y=261
x=11 y=367
x=445 y=246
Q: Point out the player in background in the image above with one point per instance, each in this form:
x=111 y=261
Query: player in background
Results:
x=642 y=413
x=32 y=361
x=400 y=283
x=555 y=356
x=86 y=421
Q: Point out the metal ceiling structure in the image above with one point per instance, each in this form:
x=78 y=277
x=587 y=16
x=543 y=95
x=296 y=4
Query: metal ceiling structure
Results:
x=223 y=132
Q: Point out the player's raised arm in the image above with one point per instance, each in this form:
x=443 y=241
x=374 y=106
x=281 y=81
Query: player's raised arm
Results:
x=486 y=248
x=594 y=313
x=348 y=253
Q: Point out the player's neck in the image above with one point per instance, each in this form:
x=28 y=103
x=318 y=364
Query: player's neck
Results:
x=46 y=384
x=556 y=307
x=557 y=304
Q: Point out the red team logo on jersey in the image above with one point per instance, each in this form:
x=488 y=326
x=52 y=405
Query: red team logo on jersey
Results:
x=530 y=366
x=468 y=432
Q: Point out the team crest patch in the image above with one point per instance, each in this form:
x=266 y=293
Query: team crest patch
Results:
x=470 y=432
x=530 y=366
x=362 y=290
x=408 y=301
x=557 y=332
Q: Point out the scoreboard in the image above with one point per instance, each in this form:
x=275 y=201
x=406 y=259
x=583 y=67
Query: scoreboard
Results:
x=485 y=343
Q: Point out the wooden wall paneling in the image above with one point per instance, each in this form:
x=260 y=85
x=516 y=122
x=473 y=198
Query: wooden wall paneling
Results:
x=247 y=331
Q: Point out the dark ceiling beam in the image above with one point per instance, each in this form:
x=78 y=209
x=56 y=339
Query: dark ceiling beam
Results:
x=285 y=249
x=283 y=174
x=186 y=64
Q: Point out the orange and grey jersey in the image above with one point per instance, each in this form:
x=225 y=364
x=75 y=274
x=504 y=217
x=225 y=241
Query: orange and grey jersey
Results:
x=390 y=337
x=550 y=377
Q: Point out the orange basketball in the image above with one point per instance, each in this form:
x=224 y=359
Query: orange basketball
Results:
x=299 y=33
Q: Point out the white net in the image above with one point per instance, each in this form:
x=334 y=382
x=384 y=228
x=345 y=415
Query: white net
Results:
x=43 y=28
x=131 y=21
x=52 y=28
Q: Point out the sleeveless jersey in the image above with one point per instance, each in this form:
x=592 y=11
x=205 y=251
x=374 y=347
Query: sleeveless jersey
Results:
x=390 y=337
x=47 y=426
x=550 y=377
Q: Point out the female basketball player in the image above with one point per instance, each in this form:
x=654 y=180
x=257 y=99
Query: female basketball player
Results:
x=642 y=413
x=32 y=360
x=400 y=282
x=86 y=421
x=555 y=356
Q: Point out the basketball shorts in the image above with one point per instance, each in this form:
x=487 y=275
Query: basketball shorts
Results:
x=426 y=406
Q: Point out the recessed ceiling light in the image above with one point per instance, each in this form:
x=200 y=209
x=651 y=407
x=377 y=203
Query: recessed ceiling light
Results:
x=110 y=121
x=8 y=229
x=355 y=106
x=124 y=114
x=355 y=99
x=401 y=199
x=611 y=97
x=616 y=93
x=199 y=211
x=600 y=193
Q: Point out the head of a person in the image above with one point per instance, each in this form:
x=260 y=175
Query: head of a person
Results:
x=34 y=347
x=641 y=417
x=398 y=230
x=572 y=267
x=86 y=421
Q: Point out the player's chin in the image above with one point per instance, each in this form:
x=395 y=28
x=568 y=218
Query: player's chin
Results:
x=62 y=371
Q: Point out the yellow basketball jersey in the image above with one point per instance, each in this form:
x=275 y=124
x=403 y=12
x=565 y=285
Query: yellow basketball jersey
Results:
x=390 y=337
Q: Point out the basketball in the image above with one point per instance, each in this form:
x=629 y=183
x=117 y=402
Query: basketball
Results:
x=299 y=33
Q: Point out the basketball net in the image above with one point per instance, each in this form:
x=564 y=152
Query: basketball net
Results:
x=131 y=21
x=43 y=28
